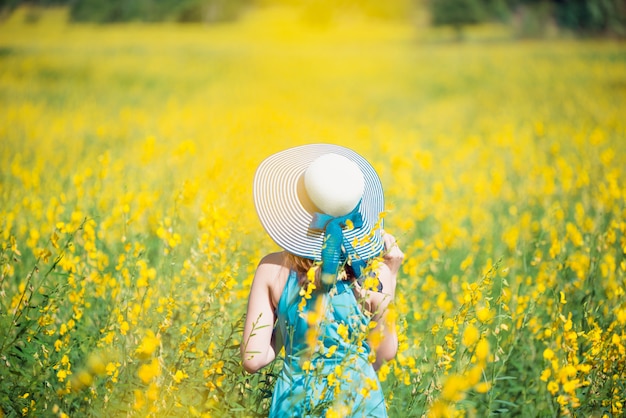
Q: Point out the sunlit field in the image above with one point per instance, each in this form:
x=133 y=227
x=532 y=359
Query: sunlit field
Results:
x=129 y=236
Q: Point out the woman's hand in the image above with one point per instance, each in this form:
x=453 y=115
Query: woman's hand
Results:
x=393 y=255
x=393 y=259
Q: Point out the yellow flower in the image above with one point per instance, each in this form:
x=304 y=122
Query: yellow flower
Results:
x=574 y=235
x=567 y=372
x=108 y=338
x=342 y=330
x=555 y=248
x=440 y=409
x=331 y=413
x=570 y=386
x=454 y=388
x=376 y=337
x=148 y=345
x=331 y=350
x=548 y=354
x=147 y=372
x=467 y=262
x=61 y=375
x=140 y=400
x=483 y=387
x=110 y=368
x=616 y=339
x=179 y=376
x=370 y=283
x=81 y=380
x=484 y=315
x=470 y=335
x=370 y=385
x=553 y=387
x=482 y=349
x=383 y=372
x=337 y=411
x=124 y=327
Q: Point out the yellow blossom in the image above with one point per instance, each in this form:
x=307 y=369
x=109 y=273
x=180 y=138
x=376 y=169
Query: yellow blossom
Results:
x=482 y=349
x=483 y=387
x=149 y=371
x=548 y=354
x=454 y=388
x=484 y=314
x=179 y=376
x=470 y=335
x=331 y=351
x=61 y=375
x=342 y=330
x=148 y=345
x=616 y=339
x=553 y=387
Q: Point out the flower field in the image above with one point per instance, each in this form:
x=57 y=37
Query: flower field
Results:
x=128 y=235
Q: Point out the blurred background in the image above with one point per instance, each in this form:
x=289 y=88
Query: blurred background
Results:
x=528 y=18
x=130 y=132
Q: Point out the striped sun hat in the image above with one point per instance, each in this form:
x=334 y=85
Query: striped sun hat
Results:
x=284 y=199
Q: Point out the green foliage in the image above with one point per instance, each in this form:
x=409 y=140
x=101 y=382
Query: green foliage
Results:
x=29 y=359
x=592 y=16
x=582 y=17
x=532 y=17
x=209 y=11
x=7 y=7
x=457 y=13
x=107 y=11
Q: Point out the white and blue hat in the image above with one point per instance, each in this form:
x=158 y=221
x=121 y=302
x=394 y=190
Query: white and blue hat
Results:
x=303 y=193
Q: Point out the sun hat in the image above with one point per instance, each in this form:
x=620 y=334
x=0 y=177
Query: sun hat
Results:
x=311 y=195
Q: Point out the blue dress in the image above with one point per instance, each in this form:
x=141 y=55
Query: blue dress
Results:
x=333 y=376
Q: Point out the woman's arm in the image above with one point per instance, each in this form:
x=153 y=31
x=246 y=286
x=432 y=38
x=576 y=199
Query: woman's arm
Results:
x=257 y=348
x=387 y=346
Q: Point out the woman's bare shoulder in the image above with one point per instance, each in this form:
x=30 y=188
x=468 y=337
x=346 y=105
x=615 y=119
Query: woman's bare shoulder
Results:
x=272 y=266
x=273 y=270
x=273 y=262
x=277 y=259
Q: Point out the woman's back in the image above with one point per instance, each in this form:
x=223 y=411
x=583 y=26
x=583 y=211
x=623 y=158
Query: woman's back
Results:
x=327 y=358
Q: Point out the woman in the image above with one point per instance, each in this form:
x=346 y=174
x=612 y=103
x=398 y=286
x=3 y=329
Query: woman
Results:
x=324 y=298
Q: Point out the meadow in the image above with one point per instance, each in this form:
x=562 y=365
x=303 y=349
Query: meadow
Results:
x=128 y=236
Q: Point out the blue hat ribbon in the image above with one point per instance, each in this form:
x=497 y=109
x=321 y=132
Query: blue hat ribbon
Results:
x=334 y=250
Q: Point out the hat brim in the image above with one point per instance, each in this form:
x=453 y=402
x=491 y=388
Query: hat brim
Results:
x=286 y=212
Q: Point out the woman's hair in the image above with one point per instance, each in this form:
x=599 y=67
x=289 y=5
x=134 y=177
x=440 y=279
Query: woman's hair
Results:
x=302 y=266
